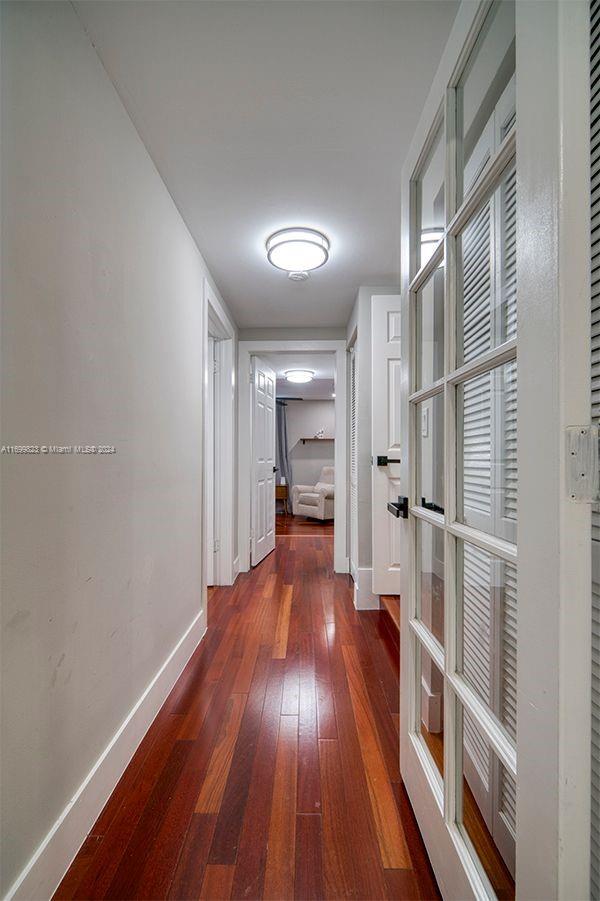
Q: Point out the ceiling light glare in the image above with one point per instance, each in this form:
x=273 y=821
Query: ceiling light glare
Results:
x=430 y=238
x=299 y=376
x=297 y=249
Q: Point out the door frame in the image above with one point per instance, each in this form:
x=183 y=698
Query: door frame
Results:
x=554 y=565
x=219 y=326
x=247 y=349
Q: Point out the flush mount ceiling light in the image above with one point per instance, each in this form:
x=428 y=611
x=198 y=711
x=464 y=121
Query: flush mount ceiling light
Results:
x=299 y=376
x=430 y=238
x=297 y=251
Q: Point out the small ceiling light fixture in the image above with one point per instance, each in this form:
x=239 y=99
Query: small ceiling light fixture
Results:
x=430 y=238
x=297 y=251
x=299 y=376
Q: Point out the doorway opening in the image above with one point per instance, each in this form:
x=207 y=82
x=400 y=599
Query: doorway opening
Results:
x=293 y=445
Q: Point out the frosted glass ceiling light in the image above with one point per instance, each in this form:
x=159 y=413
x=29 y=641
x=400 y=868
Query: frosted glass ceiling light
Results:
x=299 y=376
x=297 y=250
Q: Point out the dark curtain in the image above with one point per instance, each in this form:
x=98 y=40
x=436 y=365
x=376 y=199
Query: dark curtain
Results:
x=283 y=463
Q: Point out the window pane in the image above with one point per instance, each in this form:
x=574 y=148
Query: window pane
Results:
x=487 y=452
x=486 y=91
x=430 y=574
x=430 y=330
x=431 y=705
x=486 y=811
x=487 y=297
x=430 y=202
x=430 y=452
x=488 y=625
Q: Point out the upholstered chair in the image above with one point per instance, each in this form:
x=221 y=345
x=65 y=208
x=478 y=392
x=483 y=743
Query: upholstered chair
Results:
x=315 y=500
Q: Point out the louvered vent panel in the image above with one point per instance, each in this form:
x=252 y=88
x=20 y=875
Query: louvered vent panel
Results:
x=509 y=310
x=477 y=437
x=508 y=685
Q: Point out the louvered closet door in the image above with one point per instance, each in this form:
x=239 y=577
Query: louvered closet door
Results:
x=595 y=385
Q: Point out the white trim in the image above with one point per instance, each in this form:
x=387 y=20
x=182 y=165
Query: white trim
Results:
x=364 y=599
x=245 y=350
x=554 y=573
x=44 y=871
x=219 y=326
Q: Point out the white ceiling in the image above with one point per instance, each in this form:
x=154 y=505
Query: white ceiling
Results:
x=264 y=114
x=322 y=364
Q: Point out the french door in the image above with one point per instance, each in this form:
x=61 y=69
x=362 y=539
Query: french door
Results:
x=469 y=541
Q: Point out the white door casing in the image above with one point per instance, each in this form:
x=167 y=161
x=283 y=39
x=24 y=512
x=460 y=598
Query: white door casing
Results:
x=263 y=460
x=209 y=465
x=385 y=439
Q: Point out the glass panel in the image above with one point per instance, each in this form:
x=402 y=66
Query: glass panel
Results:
x=488 y=626
x=486 y=810
x=430 y=453
x=430 y=570
x=430 y=203
x=487 y=296
x=430 y=330
x=487 y=452
x=486 y=91
x=431 y=707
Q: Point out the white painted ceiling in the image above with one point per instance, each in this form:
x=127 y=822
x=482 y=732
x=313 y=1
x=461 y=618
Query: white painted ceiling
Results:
x=322 y=364
x=262 y=114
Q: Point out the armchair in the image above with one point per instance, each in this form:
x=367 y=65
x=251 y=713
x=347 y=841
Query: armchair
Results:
x=315 y=500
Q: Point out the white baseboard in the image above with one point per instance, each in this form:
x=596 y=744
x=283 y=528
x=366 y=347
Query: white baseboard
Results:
x=44 y=871
x=364 y=599
x=236 y=567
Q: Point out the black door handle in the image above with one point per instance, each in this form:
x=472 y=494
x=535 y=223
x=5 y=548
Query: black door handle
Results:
x=429 y=505
x=399 y=509
x=383 y=460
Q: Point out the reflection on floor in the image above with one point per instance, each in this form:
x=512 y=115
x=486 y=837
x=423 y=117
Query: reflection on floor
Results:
x=302 y=525
x=272 y=769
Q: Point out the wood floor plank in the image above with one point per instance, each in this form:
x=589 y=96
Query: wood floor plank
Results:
x=218 y=879
x=338 y=870
x=309 y=782
x=283 y=624
x=231 y=815
x=280 y=865
x=189 y=873
x=213 y=787
x=392 y=844
x=308 y=877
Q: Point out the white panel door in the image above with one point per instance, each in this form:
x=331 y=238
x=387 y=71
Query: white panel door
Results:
x=386 y=440
x=263 y=460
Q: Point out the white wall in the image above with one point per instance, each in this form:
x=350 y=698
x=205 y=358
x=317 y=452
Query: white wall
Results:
x=102 y=337
x=359 y=324
x=304 y=419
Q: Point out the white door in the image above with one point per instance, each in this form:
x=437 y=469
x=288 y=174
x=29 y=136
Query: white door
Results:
x=263 y=460
x=385 y=440
x=479 y=646
x=209 y=465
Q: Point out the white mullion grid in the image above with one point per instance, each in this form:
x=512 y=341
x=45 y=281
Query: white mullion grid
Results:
x=491 y=359
x=430 y=516
x=452 y=732
x=498 y=547
x=426 y=271
x=422 y=394
x=486 y=184
x=489 y=725
x=429 y=642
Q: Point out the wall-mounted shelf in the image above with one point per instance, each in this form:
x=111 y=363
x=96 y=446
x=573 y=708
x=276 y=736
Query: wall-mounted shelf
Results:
x=304 y=440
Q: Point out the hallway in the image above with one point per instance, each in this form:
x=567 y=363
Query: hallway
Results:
x=272 y=769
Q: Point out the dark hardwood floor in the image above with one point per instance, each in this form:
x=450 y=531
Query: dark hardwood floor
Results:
x=286 y=524
x=272 y=769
